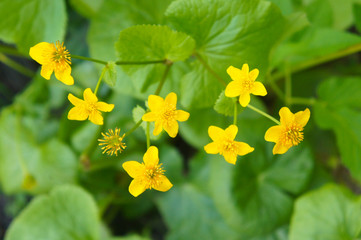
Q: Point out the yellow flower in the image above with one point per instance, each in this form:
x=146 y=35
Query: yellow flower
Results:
x=113 y=142
x=147 y=175
x=224 y=144
x=54 y=58
x=88 y=108
x=243 y=84
x=289 y=132
x=165 y=114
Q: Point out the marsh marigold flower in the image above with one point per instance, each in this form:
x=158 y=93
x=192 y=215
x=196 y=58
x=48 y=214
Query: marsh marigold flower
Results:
x=147 y=175
x=224 y=144
x=164 y=113
x=243 y=84
x=54 y=58
x=112 y=142
x=88 y=108
x=290 y=131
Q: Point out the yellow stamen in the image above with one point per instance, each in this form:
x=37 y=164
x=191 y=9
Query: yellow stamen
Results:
x=152 y=175
x=113 y=142
x=292 y=135
x=61 y=56
x=168 y=113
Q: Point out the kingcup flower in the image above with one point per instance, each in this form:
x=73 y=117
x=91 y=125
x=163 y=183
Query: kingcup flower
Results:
x=224 y=144
x=112 y=142
x=165 y=115
x=290 y=131
x=147 y=175
x=243 y=84
x=54 y=58
x=88 y=108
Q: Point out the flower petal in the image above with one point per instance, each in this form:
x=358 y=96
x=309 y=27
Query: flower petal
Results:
x=46 y=71
x=182 y=115
x=137 y=187
x=171 y=127
x=280 y=149
x=233 y=89
x=150 y=157
x=302 y=117
x=164 y=184
x=42 y=52
x=104 y=107
x=212 y=148
x=133 y=168
x=157 y=128
x=64 y=75
x=244 y=99
x=150 y=117
x=155 y=103
x=89 y=96
x=243 y=148
x=74 y=100
x=252 y=75
x=231 y=132
x=286 y=116
x=171 y=98
x=235 y=73
x=96 y=117
x=259 y=89
x=216 y=133
x=245 y=68
x=230 y=157
x=273 y=134
x=78 y=113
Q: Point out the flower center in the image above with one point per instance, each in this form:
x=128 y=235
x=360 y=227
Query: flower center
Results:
x=168 y=113
x=61 y=56
x=112 y=142
x=152 y=174
x=229 y=146
x=293 y=135
x=247 y=85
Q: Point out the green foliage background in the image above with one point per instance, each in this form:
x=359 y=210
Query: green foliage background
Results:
x=307 y=54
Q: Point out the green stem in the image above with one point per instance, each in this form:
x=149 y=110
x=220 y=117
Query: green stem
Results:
x=235 y=113
x=133 y=128
x=164 y=77
x=148 y=136
x=303 y=101
x=11 y=63
x=319 y=60
x=100 y=80
x=140 y=63
x=210 y=69
x=263 y=113
x=288 y=86
x=89 y=59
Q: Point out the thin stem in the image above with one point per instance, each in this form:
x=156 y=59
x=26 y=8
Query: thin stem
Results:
x=88 y=59
x=100 y=80
x=319 y=60
x=235 y=113
x=303 y=101
x=164 y=77
x=263 y=113
x=133 y=128
x=210 y=69
x=288 y=86
x=11 y=63
x=148 y=136
x=140 y=63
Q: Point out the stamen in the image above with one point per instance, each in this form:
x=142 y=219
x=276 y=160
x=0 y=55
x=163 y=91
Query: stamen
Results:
x=293 y=135
x=152 y=175
x=113 y=142
x=61 y=56
x=168 y=113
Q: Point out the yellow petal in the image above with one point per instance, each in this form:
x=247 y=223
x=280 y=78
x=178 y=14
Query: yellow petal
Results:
x=64 y=76
x=245 y=68
x=74 y=100
x=230 y=157
x=137 y=187
x=155 y=103
x=78 y=113
x=171 y=127
x=280 y=149
x=164 y=184
x=253 y=74
x=42 y=52
x=286 y=116
x=133 y=168
x=235 y=73
x=243 y=148
x=171 y=98
x=302 y=117
x=182 y=115
x=157 y=128
x=259 y=89
x=244 y=99
x=46 y=71
x=273 y=133
x=104 y=107
x=150 y=117
x=212 y=148
x=231 y=132
x=216 y=133
x=96 y=117
x=150 y=157
x=233 y=89
x=89 y=96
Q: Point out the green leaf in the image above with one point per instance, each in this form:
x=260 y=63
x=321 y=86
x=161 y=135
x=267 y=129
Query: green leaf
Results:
x=138 y=113
x=256 y=192
x=357 y=15
x=195 y=216
x=331 y=213
x=225 y=105
x=339 y=111
x=68 y=212
x=28 y=22
x=151 y=43
x=110 y=75
x=87 y=8
x=226 y=33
